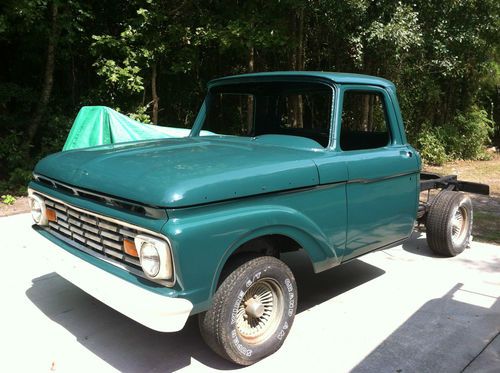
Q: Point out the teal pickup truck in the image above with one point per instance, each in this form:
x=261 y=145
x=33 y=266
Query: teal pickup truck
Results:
x=164 y=229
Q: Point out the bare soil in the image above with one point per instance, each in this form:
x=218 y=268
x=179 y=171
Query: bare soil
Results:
x=21 y=205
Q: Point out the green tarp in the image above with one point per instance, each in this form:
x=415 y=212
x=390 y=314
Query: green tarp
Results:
x=99 y=125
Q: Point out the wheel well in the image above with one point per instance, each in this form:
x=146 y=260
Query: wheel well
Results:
x=272 y=245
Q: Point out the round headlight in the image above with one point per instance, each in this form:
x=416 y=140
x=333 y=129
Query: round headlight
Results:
x=150 y=259
x=155 y=256
x=38 y=210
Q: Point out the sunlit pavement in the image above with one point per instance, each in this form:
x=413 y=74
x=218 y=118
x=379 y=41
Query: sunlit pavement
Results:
x=397 y=310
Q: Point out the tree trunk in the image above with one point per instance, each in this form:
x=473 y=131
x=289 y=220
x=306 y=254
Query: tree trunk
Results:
x=297 y=58
x=251 y=69
x=154 y=93
x=73 y=81
x=48 y=80
x=373 y=102
x=300 y=64
x=365 y=112
x=296 y=103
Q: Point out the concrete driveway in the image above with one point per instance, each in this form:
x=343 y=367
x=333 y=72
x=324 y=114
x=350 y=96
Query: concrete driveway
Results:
x=397 y=310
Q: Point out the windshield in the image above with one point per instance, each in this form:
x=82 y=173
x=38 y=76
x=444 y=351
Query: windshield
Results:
x=283 y=108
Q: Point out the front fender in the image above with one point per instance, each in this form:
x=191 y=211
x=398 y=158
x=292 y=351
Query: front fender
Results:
x=203 y=238
x=304 y=232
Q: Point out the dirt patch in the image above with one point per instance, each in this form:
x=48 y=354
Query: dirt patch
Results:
x=486 y=226
x=486 y=172
x=21 y=205
x=486 y=208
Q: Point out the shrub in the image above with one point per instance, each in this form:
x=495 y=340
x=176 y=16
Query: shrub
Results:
x=19 y=179
x=431 y=147
x=8 y=199
x=465 y=137
x=141 y=115
x=469 y=134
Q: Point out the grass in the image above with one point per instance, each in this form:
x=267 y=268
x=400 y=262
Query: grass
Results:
x=487 y=227
x=486 y=172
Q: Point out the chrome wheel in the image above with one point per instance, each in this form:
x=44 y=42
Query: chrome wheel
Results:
x=459 y=224
x=260 y=311
x=252 y=310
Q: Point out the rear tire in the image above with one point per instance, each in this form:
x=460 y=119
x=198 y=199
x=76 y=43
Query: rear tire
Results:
x=449 y=223
x=252 y=311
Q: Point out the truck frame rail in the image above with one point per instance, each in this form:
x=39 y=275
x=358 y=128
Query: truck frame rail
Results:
x=430 y=181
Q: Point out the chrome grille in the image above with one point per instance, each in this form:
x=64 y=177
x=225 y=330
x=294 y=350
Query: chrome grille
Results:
x=95 y=233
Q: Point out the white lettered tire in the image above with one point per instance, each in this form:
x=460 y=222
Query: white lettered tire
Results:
x=252 y=311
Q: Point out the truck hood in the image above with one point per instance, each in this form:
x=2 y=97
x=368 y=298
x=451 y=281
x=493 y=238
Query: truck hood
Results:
x=189 y=171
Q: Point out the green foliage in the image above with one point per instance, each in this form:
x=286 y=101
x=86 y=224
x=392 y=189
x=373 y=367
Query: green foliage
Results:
x=465 y=137
x=122 y=76
x=12 y=148
x=141 y=115
x=56 y=133
x=20 y=176
x=17 y=181
x=442 y=55
x=468 y=134
x=400 y=34
x=431 y=146
x=8 y=199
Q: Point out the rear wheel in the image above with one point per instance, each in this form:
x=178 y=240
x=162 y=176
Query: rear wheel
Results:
x=252 y=311
x=449 y=223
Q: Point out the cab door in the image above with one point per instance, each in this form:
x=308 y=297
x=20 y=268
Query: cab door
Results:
x=383 y=170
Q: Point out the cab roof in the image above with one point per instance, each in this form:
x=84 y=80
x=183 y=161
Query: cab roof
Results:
x=341 y=78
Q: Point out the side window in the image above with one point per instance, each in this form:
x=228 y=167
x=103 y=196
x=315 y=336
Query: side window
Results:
x=364 y=121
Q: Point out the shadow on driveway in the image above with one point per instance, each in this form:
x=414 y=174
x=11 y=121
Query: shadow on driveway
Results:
x=445 y=335
x=131 y=347
x=417 y=244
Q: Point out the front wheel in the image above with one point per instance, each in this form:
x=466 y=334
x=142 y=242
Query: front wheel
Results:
x=252 y=311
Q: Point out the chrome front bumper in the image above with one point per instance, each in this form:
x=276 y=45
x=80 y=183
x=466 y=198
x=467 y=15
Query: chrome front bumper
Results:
x=156 y=311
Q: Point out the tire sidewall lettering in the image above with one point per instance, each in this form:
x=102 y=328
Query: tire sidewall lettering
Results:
x=289 y=291
x=291 y=297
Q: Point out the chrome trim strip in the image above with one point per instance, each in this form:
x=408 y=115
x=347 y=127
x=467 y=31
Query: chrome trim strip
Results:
x=333 y=184
x=374 y=180
x=116 y=221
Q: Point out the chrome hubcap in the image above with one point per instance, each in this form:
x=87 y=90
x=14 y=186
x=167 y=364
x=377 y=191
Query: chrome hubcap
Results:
x=254 y=307
x=260 y=311
x=459 y=224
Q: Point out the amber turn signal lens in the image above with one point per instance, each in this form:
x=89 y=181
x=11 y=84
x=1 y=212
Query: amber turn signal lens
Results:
x=129 y=248
x=51 y=215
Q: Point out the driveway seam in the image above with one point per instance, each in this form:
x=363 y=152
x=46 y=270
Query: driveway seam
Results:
x=480 y=352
